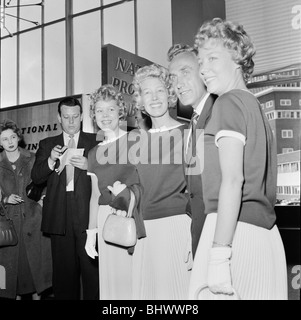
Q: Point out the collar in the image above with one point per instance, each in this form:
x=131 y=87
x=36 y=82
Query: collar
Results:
x=200 y=106
x=66 y=137
x=23 y=152
x=106 y=141
x=164 y=128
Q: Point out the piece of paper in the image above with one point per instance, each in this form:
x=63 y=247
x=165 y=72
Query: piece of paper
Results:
x=69 y=153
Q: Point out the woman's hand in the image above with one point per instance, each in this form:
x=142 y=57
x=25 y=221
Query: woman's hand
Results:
x=219 y=273
x=13 y=199
x=117 y=187
x=90 y=245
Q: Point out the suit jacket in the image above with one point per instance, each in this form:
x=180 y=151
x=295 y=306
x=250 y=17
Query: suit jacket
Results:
x=55 y=202
x=194 y=182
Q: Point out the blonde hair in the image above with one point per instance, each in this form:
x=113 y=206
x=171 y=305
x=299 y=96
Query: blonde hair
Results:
x=152 y=71
x=234 y=38
x=108 y=92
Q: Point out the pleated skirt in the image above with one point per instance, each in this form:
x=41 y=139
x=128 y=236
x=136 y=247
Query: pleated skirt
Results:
x=115 y=265
x=258 y=263
x=161 y=260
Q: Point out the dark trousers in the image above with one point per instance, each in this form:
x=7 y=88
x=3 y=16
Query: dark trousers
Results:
x=71 y=262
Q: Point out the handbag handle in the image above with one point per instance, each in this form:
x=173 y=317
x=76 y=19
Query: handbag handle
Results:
x=131 y=205
x=205 y=286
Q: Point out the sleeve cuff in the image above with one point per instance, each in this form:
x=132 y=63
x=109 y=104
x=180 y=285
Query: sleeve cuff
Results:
x=229 y=133
x=51 y=166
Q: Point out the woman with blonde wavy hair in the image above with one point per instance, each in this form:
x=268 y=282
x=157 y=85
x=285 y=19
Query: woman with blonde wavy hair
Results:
x=160 y=270
x=240 y=248
x=113 y=180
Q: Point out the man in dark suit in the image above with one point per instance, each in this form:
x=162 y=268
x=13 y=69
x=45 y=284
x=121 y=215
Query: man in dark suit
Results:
x=191 y=91
x=66 y=205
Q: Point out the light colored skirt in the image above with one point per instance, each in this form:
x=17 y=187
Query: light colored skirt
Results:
x=258 y=264
x=160 y=261
x=115 y=265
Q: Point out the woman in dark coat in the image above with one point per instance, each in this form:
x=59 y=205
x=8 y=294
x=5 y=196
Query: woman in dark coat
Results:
x=28 y=265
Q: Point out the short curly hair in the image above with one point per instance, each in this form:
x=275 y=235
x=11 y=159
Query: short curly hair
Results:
x=10 y=124
x=234 y=38
x=108 y=92
x=178 y=49
x=152 y=71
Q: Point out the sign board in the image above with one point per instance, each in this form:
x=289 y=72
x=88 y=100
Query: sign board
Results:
x=118 y=69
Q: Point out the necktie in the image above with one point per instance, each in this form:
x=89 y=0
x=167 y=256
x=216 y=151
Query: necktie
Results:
x=69 y=167
x=192 y=137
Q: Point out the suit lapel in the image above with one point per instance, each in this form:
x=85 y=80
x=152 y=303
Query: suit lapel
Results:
x=202 y=122
x=59 y=140
x=206 y=113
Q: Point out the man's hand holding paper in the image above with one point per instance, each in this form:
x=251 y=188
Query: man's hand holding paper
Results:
x=74 y=157
x=79 y=161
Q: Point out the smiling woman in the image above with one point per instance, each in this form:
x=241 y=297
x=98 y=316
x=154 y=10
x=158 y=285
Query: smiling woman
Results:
x=107 y=110
x=239 y=177
x=158 y=265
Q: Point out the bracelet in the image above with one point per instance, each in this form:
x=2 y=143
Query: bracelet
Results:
x=222 y=244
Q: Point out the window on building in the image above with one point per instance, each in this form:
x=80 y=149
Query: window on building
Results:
x=286 y=168
x=121 y=34
x=295 y=167
x=296 y=190
x=285 y=114
x=287 y=150
x=9 y=71
x=269 y=104
x=285 y=134
x=270 y=115
x=285 y=102
x=280 y=190
x=30 y=67
x=80 y=5
x=55 y=61
x=287 y=190
x=87 y=65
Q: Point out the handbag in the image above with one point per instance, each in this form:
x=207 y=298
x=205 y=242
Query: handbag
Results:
x=34 y=191
x=8 y=234
x=120 y=230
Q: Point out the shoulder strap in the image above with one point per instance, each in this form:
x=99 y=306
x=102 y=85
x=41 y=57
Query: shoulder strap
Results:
x=131 y=205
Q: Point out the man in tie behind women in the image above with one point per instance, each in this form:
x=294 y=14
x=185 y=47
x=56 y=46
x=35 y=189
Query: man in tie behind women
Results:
x=191 y=91
x=66 y=205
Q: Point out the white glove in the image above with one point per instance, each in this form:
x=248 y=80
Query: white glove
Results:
x=219 y=274
x=91 y=242
x=117 y=187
